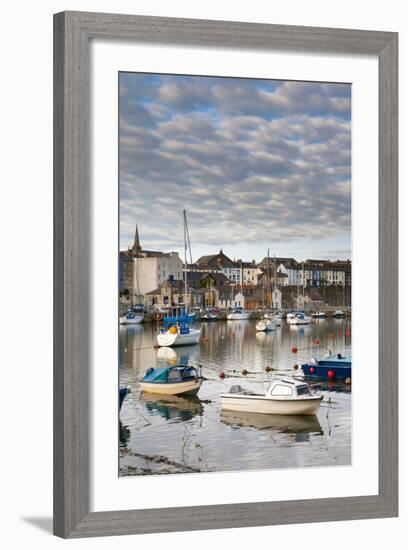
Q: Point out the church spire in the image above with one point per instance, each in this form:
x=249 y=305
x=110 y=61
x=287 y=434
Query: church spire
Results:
x=136 y=248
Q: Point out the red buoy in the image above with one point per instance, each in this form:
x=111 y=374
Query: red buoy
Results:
x=331 y=374
x=244 y=372
x=311 y=369
x=348 y=333
x=222 y=375
x=294 y=349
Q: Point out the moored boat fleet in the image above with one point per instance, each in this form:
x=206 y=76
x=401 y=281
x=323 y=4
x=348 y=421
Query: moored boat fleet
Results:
x=180 y=329
x=284 y=395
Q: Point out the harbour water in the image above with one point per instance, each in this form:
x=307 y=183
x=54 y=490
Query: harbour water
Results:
x=179 y=435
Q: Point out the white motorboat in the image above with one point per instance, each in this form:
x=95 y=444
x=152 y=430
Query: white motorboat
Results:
x=208 y=317
x=299 y=319
x=238 y=315
x=179 y=335
x=319 y=315
x=338 y=313
x=131 y=318
x=285 y=396
x=277 y=319
x=265 y=325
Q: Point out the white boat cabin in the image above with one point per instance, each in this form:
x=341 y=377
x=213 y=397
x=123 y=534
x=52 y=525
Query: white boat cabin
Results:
x=283 y=388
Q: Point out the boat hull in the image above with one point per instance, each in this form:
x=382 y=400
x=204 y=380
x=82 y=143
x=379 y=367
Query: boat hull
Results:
x=167 y=339
x=189 y=387
x=135 y=321
x=340 y=368
x=295 y=321
x=238 y=316
x=262 y=405
x=265 y=327
x=209 y=319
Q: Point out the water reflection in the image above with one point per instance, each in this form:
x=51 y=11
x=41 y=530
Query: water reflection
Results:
x=281 y=423
x=198 y=435
x=124 y=434
x=171 y=407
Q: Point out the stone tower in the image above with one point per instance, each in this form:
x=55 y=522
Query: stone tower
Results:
x=136 y=248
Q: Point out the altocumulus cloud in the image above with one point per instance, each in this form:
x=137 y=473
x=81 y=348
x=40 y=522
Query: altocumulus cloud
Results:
x=256 y=163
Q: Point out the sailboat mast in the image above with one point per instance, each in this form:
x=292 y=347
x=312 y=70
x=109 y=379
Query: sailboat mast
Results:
x=185 y=258
x=274 y=266
x=269 y=278
x=298 y=286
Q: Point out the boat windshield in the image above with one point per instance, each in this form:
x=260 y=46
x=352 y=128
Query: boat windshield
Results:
x=281 y=390
x=174 y=375
x=189 y=373
x=303 y=390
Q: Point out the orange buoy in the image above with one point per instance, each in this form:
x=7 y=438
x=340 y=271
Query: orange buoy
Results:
x=244 y=372
x=222 y=375
x=294 y=349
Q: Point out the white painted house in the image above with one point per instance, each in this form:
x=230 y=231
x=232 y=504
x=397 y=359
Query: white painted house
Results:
x=292 y=271
x=150 y=271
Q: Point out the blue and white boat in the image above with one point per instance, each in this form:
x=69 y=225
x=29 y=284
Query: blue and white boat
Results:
x=298 y=318
x=337 y=367
x=177 y=330
x=179 y=314
x=179 y=334
x=131 y=318
x=174 y=380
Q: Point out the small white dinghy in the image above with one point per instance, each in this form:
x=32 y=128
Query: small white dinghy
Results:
x=298 y=319
x=277 y=319
x=338 y=313
x=319 y=315
x=238 y=314
x=180 y=335
x=284 y=396
x=265 y=325
x=131 y=318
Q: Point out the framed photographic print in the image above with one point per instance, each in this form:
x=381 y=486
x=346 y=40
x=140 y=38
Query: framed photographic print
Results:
x=225 y=274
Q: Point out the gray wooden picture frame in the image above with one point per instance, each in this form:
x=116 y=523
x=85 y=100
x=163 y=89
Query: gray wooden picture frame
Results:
x=72 y=205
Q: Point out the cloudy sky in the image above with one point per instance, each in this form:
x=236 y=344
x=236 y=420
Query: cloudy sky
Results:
x=257 y=164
